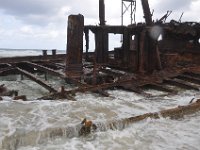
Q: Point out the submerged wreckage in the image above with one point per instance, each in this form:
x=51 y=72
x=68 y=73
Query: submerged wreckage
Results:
x=152 y=54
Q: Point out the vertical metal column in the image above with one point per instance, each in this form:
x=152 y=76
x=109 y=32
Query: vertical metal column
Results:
x=130 y=7
x=147 y=12
x=86 y=31
x=74 y=46
x=101 y=44
x=101 y=37
x=102 y=12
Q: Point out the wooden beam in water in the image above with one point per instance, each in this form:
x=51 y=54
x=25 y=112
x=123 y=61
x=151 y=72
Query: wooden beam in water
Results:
x=174 y=113
x=99 y=87
x=58 y=57
x=7 y=70
x=162 y=88
x=193 y=74
x=189 y=78
x=181 y=84
x=46 y=69
x=137 y=90
x=40 y=82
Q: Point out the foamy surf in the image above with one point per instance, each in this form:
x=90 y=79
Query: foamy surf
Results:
x=54 y=125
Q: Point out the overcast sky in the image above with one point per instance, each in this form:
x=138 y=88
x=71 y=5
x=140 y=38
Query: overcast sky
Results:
x=42 y=24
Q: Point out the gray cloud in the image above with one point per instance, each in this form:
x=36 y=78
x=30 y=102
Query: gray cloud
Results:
x=43 y=12
x=174 y=5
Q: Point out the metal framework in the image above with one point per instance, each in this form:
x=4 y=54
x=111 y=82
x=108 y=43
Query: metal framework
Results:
x=126 y=6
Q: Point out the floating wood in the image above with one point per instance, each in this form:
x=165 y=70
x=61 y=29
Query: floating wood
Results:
x=174 y=113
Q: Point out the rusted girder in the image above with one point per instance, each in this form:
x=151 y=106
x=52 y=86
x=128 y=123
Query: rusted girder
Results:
x=45 y=69
x=74 y=46
x=58 y=57
x=189 y=78
x=37 y=80
x=100 y=87
x=147 y=12
x=101 y=43
x=102 y=12
x=182 y=84
x=162 y=88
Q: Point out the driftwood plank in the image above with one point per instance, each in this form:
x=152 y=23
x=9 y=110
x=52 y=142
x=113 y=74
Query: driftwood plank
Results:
x=174 y=113
x=40 y=82
x=182 y=84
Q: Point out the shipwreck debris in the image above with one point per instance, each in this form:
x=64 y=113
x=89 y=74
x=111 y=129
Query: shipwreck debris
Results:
x=4 y=91
x=142 y=60
x=21 y=97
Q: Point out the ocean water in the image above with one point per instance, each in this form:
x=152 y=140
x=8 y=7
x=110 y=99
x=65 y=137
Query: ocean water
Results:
x=25 y=52
x=54 y=125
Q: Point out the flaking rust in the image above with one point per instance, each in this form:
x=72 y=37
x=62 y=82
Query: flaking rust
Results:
x=151 y=54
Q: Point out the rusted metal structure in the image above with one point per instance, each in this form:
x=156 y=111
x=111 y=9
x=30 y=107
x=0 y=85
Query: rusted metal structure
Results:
x=142 y=60
x=74 y=46
x=128 y=5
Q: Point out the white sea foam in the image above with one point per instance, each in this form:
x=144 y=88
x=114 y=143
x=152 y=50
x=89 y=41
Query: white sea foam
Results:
x=36 y=125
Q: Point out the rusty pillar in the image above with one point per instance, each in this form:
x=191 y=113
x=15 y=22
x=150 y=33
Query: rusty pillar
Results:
x=74 y=46
x=147 y=12
x=87 y=43
x=102 y=12
x=142 y=52
x=54 y=52
x=126 y=46
x=149 y=57
x=44 y=52
x=101 y=44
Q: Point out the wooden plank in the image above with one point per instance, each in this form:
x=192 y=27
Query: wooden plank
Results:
x=135 y=89
x=46 y=69
x=111 y=72
x=7 y=70
x=193 y=74
x=40 y=82
x=162 y=88
x=100 y=87
x=173 y=113
x=58 y=57
x=189 y=78
x=181 y=84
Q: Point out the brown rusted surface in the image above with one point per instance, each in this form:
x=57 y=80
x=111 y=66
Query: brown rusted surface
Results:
x=147 y=12
x=74 y=46
x=102 y=12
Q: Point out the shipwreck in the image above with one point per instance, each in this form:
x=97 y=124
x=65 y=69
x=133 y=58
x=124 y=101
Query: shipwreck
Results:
x=152 y=54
